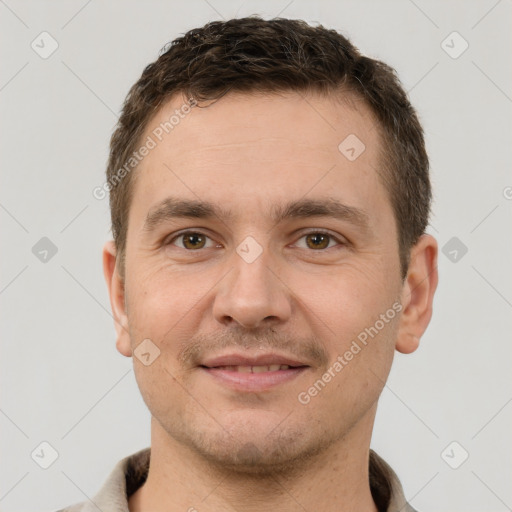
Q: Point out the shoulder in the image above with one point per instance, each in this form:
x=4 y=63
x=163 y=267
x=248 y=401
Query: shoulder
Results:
x=125 y=478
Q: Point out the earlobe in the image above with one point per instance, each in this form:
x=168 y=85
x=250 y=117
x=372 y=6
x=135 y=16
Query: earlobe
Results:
x=116 y=292
x=407 y=343
x=418 y=294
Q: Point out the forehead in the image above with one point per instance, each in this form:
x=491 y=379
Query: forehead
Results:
x=249 y=151
x=307 y=123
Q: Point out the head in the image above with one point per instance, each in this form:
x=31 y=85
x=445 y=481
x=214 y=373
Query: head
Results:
x=269 y=194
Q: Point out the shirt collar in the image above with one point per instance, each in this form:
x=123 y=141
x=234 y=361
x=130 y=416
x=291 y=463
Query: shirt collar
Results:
x=131 y=472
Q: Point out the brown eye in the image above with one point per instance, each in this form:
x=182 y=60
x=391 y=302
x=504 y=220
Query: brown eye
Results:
x=194 y=241
x=317 y=240
x=191 y=240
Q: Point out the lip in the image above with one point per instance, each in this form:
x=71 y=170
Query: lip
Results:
x=256 y=360
x=252 y=382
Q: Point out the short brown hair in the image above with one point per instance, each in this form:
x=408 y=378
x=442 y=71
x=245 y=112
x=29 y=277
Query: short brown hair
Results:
x=251 y=54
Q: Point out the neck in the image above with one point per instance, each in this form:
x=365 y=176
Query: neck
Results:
x=336 y=480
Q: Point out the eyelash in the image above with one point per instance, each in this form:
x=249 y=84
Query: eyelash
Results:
x=314 y=232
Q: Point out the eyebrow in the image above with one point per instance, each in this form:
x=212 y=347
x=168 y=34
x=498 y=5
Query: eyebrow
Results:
x=171 y=208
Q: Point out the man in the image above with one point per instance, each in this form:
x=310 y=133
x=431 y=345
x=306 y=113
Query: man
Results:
x=269 y=194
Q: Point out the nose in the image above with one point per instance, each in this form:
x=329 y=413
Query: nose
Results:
x=252 y=295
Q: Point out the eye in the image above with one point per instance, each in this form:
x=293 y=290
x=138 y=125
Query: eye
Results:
x=191 y=240
x=195 y=240
x=319 y=240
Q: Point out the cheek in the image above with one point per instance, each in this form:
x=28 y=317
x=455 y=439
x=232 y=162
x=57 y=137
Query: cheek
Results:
x=344 y=309
x=160 y=297
x=345 y=298
x=360 y=346
x=168 y=308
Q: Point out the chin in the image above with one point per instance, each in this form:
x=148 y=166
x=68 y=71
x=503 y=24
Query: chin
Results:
x=249 y=449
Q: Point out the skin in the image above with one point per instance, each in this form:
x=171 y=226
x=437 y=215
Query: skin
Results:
x=216 y=448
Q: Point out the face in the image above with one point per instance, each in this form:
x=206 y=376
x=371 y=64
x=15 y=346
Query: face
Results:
x=262 y=263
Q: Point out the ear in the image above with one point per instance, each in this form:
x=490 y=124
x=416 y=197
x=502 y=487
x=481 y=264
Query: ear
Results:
x=418 y=294
x=116 y=291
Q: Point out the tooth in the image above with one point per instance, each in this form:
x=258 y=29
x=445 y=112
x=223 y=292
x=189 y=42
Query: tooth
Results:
x=254 y=369
x=259 y=369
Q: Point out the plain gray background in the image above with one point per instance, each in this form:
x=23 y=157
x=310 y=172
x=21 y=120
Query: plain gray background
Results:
x=62 y=380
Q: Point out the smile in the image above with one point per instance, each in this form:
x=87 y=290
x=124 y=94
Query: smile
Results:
x=253 y=378
x=254 y=369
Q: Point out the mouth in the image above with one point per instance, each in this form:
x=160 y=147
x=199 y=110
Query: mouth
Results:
x=254 y=374
x=253 y=369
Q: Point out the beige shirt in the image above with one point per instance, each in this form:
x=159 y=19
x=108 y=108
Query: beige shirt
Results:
x=131 y=472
